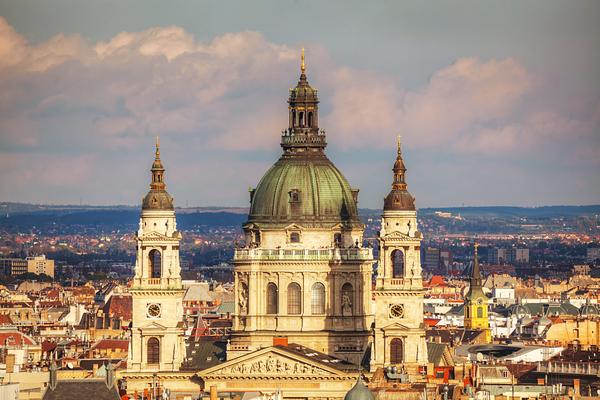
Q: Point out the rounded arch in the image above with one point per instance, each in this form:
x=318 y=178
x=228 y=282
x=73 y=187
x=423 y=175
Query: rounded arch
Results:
x=272 y=298
x=317 y=302
x=480 y=312
x=155 y=263
x=396 y=351
x=397 y=263
x=153 y=351
x=294 y=299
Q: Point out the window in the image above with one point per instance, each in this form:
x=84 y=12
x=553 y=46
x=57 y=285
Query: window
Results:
x=294 y=297
x=398 y=263
x=295 y=237
x=153 y=351
x=301 y=119
x=318 y=299
x=479 y=312
x=294 y=196
x=155 y=263
x=272 y=298
x=310 y=119
x=347 y=297
x=337 y=238
x=396 y=351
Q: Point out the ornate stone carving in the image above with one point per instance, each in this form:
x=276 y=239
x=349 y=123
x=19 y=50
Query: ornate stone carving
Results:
x=273 y=365
x=243 y=299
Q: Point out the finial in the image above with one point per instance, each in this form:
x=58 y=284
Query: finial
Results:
x=476 y=246
x=303 y=65
x=157 y=146
x=398 y=139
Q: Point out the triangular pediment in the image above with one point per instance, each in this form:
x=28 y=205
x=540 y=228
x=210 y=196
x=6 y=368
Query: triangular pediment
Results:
x=395 y=326
x=292 y=227
x=152 y=326
x=397 y=237
x=272 y=361
x=154 y=236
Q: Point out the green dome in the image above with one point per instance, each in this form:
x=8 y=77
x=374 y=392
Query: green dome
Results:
x=359 y=392
x=309 y=191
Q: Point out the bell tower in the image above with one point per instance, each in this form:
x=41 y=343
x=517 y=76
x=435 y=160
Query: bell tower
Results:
x=476 y=302
x=399 y=329
x=157 y=342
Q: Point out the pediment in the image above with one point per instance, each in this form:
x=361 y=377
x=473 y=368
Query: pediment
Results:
x=292 y=227
x=395 y=326
x=152 y=326
x=271 y=361
x=397 y=236
x=154 y=236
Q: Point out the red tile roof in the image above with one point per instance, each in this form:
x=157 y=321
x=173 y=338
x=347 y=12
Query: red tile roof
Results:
x=5 y=320
x=109 y=344
x=119 y=306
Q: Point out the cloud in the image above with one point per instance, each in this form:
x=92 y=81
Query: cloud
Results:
x=99 y=105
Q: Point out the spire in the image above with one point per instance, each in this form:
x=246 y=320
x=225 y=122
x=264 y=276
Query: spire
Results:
x=399 y=168
x=302 y=64
x=399 y=199
x=157 y=197
x=476 y=274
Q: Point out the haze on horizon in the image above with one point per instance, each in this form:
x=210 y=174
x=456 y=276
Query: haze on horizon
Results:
x=498 y=103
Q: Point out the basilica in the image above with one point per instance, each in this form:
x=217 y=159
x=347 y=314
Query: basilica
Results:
x=316 y=305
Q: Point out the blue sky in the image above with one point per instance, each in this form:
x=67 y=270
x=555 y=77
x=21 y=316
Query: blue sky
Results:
x=498 y=103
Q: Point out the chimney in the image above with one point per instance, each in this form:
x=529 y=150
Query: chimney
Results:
x=53 y=369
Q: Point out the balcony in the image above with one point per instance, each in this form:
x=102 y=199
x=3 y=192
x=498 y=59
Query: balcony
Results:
x=156 y=283
x=352 y=254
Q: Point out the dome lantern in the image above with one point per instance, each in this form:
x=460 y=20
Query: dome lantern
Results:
x=157 y=198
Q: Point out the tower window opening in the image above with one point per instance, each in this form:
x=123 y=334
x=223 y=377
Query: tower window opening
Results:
x=293 y=118
x=398 y=263
x=301 y=119
x=294 y=306
x=310 y=119
x=396 y=351
x=155 y=263
x=318 y=299
x=479 y=312
x=153 y=349
x=272 y=298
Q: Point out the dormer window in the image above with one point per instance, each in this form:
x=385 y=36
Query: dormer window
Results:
x=294 y=196
x=295 y=237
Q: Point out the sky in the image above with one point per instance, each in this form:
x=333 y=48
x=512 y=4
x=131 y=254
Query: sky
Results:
x=497 y=103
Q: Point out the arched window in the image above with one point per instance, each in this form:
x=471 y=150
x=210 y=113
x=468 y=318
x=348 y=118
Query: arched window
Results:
x=295 y=237
x=347 y=298
x=467 y=311
x=318 y=299
x=294 y=299
x=301 y=119
x=396 y=351
x=155 y=263
x=310 y=119
x=479 y=312
x=398 y=263
x=293 y=118
x=272 y=298
x=153 y=351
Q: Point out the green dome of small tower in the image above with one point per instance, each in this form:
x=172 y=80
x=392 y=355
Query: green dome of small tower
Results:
x=303 y=186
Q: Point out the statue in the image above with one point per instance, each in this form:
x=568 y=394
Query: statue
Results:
x=243 y=301
x=346 y=304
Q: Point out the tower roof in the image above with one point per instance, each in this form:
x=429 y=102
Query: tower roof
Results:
x=475 y=289
x=399 y=199
x=157 y=198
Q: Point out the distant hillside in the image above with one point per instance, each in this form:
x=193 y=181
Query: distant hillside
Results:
x=523 y=212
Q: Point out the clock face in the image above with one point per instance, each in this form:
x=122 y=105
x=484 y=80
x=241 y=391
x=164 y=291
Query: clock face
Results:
x=397 y=311
x=480 y=301
x=153 y=310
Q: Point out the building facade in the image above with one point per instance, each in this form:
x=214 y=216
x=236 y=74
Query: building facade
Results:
x=399 y=331
x=303 y=275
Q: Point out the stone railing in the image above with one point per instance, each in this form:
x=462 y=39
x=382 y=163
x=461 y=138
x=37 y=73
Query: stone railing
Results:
x=156 y=283
x=352 y=254
x=303 y=140
x=561 y=367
